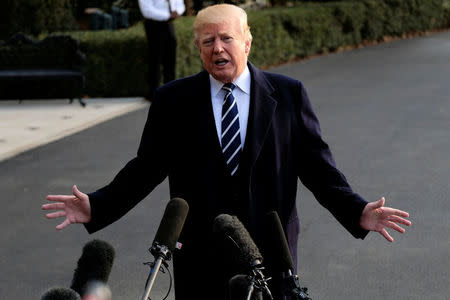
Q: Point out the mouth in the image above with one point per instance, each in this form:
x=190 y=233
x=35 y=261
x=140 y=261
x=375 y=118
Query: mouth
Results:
x=221 y=62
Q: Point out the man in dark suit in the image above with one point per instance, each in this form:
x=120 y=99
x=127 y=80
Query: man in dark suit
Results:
x=232 y=139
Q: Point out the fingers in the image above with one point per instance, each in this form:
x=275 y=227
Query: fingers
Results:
x=57 y=214
x=394 y=226
x=401 y=213
x=64 y=206
x=63 y=224
x=395 y=212
x=53 y=206
x=399 y=220
x=376 y=204
x=379 y=203
x=386 y=235
x=64 y=198
x=387 y=217
x=60 y=198
x=76 y=192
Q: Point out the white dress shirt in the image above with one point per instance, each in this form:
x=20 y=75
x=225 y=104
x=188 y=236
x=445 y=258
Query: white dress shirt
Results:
x=158 y=10
x=242 y=95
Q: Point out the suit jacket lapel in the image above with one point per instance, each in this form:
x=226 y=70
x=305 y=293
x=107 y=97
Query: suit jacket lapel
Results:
x=262 y=110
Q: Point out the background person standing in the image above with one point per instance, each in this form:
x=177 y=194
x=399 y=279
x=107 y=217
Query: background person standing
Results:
x=161 y=39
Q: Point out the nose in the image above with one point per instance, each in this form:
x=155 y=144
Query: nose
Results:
x=218 y=46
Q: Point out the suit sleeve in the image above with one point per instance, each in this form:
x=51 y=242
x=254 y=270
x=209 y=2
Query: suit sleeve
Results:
x=138 y=177
x=318 y=172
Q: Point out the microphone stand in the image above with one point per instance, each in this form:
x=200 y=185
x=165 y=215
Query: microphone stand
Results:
x=258 y=280
x=161 y=253
x=291 y=287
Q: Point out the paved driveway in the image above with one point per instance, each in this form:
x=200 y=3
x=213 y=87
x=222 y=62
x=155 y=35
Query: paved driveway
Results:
x=384 y=110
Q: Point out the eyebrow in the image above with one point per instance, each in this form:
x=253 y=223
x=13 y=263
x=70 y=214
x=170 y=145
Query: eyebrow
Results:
x=226 y=33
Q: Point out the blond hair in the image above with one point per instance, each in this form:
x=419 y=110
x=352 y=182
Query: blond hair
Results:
x=219 y=14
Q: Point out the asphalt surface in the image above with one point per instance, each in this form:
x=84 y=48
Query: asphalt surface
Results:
x=384 y=110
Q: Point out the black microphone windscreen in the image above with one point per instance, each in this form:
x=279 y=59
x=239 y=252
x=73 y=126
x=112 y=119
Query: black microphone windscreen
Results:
x=230 y=227
x=276 y=249
x=60 y=293
x=238 y=288
x=172 y=222
x=94 y=264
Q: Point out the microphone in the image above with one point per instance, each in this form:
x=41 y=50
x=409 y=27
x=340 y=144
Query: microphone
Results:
x=60 y=293
x=238 y=287
x=94 y=264
x=171 y=224
x=166 y=237
x=277 y=251
x=231 y=229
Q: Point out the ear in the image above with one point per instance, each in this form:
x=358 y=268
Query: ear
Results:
x=248 y=45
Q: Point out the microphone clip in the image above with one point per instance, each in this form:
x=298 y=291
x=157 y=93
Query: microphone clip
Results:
x=258 y=280
x=161 y=251
x=291 y=287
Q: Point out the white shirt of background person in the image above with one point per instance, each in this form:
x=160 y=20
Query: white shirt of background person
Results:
x=158 y=10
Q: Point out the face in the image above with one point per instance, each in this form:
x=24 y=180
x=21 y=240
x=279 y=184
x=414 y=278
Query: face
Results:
x=223 y=50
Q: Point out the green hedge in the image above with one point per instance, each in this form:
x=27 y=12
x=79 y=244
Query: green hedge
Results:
x=117 y=61
x=446 y=23
x=35 y=16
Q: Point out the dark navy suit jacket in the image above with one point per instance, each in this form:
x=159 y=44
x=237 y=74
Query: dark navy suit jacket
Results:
x=180 y=141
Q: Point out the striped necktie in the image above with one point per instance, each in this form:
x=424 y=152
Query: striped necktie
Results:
x=231 y=139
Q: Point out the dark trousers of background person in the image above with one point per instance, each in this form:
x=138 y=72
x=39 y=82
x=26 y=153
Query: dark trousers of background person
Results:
x=162 y=45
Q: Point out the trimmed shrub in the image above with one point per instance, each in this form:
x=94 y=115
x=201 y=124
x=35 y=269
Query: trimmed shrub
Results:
x=35 y=16
x=116 y=64
x=446 y=14
x=188 y=60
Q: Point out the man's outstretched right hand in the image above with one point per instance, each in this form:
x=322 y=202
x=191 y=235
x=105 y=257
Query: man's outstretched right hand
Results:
x=76 y=208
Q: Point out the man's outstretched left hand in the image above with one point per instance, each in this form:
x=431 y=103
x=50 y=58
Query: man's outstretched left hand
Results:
x=377 y=217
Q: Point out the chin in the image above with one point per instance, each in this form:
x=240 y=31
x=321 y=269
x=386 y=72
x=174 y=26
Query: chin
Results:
x=223 y=74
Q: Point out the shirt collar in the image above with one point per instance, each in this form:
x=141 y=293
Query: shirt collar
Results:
x=242 y=82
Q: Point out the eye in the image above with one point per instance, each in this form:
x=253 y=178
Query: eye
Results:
x=207 y=42
x=227 y=39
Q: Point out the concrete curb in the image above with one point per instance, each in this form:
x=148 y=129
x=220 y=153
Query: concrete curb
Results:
x=27 y=125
